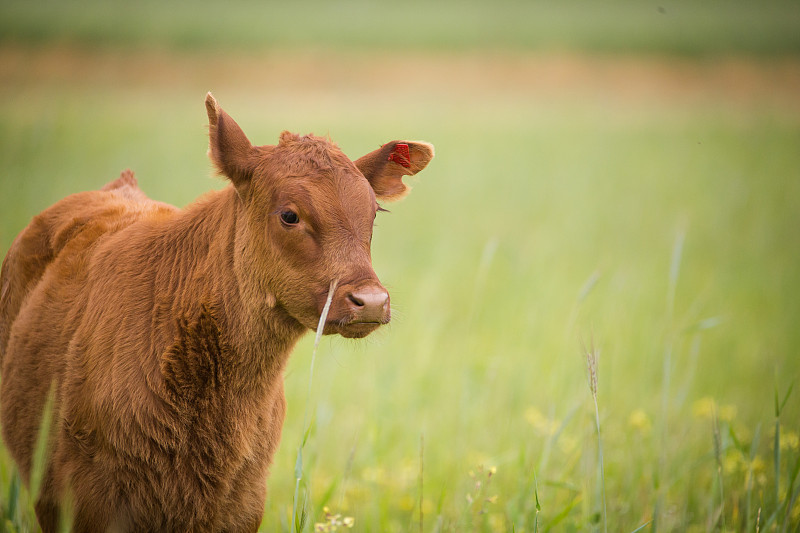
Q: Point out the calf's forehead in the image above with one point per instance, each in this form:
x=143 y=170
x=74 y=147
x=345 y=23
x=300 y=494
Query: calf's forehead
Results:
x=313 y=169
x=342 y=200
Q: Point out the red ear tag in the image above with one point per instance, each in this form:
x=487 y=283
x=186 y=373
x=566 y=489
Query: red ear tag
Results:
x=401 y=155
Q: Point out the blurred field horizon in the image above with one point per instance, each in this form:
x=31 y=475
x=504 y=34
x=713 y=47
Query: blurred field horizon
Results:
x=621 y=179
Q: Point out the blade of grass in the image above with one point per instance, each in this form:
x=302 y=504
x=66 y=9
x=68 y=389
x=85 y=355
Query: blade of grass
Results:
x=298 y=475
x=327 y=495
x=749 y=490
x=591 y=363
x=40 y=454
x=791 y=494
x=588 y=285
x=347 y=470
x=421 y=471
x=553 y=440
x=776 y=445
x=538 y=505
x=13 y=498
x=558 y=518
x=487 y=256
x=674 y=272
x=583 y=293
x=720 y=513
x=298 y=466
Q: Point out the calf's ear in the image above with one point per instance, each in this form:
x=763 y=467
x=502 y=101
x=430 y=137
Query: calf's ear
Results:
x=385 y=167
x=229 y=148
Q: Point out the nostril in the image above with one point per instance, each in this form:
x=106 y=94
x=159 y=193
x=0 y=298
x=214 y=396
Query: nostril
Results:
x=369 y=304
x=355 y=300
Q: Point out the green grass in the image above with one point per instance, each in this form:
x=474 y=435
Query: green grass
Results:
x=674 y=26
x=662 y=228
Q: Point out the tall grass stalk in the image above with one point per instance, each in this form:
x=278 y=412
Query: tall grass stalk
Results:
x=348 y=469
x=750 y=475
x=591 y=364
x=538 y=505
x=487 y=256
x=674 y=271
x=666 y=379
x=421 y=471
x=586 y=288
x=791 y=496
x=298 y=467
x=13 y=498
x=717 y=514
x=779 y=405
x=41 y=451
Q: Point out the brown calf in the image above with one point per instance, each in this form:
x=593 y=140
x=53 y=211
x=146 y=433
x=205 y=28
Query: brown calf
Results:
x=164 y=332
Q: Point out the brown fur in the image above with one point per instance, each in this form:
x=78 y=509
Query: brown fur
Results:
x=164 y=333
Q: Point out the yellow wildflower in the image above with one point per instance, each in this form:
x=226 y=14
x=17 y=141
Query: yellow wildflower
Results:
x=407 y=503
x=639 y=421
x=727 y=412
x=790 y=440
x=733 y=462
x=540 y=422
x=497 y=522
x=706 y=407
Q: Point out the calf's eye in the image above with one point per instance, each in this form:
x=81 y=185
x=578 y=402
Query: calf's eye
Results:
x=289 y=218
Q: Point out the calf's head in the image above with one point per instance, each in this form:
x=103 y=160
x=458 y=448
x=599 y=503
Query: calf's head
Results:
x=309 y=213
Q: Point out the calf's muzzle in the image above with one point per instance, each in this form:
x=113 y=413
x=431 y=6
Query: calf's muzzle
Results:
x=358 y=309
x=369 y=304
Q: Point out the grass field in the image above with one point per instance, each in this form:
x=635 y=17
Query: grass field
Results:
x=627 y=187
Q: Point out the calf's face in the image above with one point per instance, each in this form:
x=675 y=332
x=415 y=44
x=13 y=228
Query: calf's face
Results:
x=319 y=217
x=310 y=213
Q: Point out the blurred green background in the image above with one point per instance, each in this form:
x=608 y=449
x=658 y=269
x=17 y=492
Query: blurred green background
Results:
x=617 y=177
